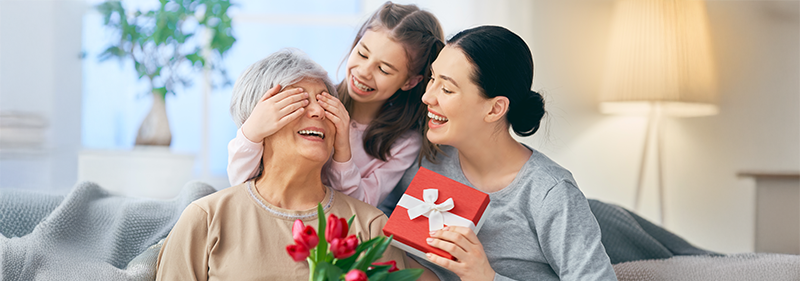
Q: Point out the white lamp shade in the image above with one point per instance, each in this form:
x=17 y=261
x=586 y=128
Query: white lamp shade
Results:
x=660 y=52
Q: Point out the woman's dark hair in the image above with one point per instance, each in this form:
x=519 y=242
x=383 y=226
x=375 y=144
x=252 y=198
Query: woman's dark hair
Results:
x=422 y=38
x=503 y=66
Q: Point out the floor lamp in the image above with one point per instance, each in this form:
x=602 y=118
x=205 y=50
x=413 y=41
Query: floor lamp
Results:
x=659 y=63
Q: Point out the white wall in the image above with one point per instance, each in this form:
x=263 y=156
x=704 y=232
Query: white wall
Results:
x=40 y=73
x=757 y=49
x=756 y=46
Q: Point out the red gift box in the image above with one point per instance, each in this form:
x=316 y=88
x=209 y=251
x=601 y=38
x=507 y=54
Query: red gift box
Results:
x=468 y=206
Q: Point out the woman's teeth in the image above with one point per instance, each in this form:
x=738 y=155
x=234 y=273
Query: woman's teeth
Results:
x=312 y=133
x=361 y=86
x=440 y=119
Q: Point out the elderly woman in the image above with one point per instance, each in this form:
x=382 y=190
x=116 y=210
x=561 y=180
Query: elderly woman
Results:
x=241 y=233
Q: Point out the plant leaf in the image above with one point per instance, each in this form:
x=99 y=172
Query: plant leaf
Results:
x=112 y=51
x=162 y=91
x=194 y=58
x=320 y=271
x=348 y=262
x=408 y=274
x=371 y=254
x=322 y=247
x=378 y=276
x=329 y=271
x=159 y=39
x=378 y=268
x=141 y=69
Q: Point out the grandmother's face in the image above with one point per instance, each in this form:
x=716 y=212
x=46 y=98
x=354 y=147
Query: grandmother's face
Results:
x=311 y=135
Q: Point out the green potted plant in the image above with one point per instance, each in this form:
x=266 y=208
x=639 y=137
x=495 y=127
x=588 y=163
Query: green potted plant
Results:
x=166 y=46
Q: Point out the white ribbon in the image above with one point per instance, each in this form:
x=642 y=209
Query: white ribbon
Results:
x=438 y=215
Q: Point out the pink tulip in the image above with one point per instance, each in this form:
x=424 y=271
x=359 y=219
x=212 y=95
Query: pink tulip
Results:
x=298 y=252
x=392 y=263
x=336 y=228
x=344 y=248
x=297 y=228
x=355 y=275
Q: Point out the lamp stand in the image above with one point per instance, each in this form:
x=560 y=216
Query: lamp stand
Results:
x=653 y=126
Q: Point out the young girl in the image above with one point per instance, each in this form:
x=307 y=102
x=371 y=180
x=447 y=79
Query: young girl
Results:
x=380 y=117
x=538 y=224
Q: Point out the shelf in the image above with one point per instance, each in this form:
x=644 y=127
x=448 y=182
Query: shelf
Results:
x=153 y=172
x=777 y=218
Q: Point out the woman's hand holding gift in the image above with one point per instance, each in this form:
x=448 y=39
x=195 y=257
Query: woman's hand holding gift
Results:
x=471 y=262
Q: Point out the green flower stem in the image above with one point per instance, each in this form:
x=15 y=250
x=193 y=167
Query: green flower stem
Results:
x=312 y=265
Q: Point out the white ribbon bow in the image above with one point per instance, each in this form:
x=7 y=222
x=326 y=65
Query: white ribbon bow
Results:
x=430 y=209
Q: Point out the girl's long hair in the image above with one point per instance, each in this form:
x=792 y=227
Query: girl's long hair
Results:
x=422 y=38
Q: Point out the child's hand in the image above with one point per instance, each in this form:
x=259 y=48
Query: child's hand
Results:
x=273 y=112
x=335 y=111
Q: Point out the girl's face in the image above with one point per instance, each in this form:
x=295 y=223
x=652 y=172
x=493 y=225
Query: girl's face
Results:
x=377 y=68
x=456 y=108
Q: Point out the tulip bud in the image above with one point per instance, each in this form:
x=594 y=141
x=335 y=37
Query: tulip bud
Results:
x=355 y=275
x=307 y=237
x=391 y=262
x=298 y=252
x=297 y=228
x=336 y=228
x=344 y=248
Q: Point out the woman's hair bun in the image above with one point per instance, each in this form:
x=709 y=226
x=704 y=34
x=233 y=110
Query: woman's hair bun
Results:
x=525 y=115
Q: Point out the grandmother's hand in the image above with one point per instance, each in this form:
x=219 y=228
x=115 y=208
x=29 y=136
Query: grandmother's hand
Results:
x=273 y=111
x=471 y=262
x=337 y=113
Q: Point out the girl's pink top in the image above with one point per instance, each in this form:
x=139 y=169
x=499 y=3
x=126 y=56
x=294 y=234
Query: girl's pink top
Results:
x=363 y=177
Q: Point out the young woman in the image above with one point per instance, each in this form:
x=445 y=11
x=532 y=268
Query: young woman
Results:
x=380 y=117
x=538 y=225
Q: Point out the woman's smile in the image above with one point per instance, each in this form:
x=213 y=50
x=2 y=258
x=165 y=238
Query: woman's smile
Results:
x=436 y=119
x=312 y=133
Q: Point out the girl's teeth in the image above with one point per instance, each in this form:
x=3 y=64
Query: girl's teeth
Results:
x=437 y=117
x=361 y=86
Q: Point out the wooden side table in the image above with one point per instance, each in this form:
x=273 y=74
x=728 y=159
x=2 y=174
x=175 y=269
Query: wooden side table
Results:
x=777 y=222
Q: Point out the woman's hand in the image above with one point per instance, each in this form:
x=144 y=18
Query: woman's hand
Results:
x=335 y=111
x=273 y=111
x=471 y=262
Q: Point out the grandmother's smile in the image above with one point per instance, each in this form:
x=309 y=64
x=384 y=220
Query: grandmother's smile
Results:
x=312 y=133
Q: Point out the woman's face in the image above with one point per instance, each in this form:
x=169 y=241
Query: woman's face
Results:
x=312 y=135
x=377 y=68
x=456 y=107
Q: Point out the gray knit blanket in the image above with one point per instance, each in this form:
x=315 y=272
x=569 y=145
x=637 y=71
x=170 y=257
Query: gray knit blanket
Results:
x=737 y=267
x=87 y=234
x=629 y=237
x=643 y=251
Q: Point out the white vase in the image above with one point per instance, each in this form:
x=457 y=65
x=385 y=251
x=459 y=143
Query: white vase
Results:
x=155 y=126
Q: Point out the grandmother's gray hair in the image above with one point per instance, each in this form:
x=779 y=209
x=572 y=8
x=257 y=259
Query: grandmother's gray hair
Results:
x=285 y=67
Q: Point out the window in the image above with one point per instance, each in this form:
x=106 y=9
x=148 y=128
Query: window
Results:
x=115 y=102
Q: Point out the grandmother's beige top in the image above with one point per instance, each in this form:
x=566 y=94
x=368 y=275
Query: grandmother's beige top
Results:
x=234 y=234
